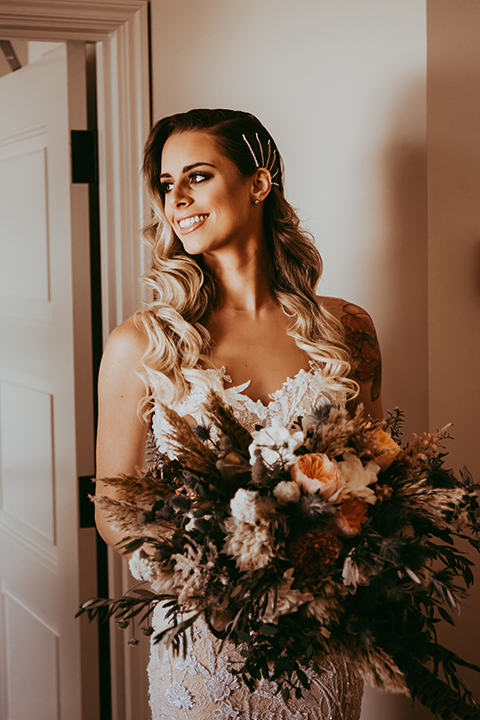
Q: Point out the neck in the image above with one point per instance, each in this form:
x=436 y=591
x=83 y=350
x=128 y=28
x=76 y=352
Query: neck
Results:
x=243 y=276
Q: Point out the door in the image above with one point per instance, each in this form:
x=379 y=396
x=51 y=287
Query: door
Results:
x=46 y=426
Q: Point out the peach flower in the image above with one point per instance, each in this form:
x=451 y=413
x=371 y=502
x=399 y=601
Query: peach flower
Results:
x=315 y=472
x=386 y=449
x=353 y=513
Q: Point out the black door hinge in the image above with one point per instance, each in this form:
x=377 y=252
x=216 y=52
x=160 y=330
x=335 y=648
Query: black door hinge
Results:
x=84 y=156
x=86 y=487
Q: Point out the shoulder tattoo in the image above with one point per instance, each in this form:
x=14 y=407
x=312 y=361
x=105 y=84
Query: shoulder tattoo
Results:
x=362 y=342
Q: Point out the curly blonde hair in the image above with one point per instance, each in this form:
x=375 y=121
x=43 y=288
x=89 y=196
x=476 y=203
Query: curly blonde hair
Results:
x=185 y=291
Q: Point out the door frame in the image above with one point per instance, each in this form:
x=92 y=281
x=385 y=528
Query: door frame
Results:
x=121 y=32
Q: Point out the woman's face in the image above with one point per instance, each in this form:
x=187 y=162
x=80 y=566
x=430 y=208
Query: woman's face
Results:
x=207 y=202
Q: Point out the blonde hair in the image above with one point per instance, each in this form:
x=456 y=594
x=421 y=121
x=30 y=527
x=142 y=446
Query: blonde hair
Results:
x=185 y=291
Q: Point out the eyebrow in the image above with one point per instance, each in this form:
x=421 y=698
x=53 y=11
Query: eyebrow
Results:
x=187 y=168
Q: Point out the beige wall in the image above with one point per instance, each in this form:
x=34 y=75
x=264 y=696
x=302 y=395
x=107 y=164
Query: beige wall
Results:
x=341 y=84
x=454 y=252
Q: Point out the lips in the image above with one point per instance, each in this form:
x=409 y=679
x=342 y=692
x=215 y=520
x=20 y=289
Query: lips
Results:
x=191 y=221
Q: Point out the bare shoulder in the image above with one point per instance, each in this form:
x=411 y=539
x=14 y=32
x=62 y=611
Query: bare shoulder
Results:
x=127 y=343
x=122 y=358
x=348 y=313
x=362 y=342
x=333 y=305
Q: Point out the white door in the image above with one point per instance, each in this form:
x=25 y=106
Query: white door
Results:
x=46 y=433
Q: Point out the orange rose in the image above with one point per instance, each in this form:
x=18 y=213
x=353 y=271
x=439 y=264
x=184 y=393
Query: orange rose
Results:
x=386 y=449
x=315 y=472
x=353 y=513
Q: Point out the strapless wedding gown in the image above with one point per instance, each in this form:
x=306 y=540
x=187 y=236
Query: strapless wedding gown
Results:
x=202 y=686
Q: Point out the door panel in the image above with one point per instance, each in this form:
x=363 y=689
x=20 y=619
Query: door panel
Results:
x=46 y=415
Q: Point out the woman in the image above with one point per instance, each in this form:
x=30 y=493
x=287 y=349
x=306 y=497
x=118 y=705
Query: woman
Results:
x=234 y=309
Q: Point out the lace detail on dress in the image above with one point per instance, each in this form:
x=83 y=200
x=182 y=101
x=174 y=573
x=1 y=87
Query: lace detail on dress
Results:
x=202 y=686
x=296 y=396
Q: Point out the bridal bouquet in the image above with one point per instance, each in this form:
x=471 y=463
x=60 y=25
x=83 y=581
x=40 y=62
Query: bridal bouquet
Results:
x=294 y=543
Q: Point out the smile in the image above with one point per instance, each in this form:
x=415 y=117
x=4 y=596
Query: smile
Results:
x=190 y=221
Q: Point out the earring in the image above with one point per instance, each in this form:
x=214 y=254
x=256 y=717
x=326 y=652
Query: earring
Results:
x=255 y=202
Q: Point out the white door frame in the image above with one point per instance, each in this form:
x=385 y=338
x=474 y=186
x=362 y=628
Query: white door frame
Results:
x=120 y=29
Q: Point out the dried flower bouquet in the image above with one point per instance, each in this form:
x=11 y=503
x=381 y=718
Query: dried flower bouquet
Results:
x=293 y=543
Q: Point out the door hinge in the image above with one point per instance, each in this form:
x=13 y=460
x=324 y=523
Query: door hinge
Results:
x=84 y=156
x=86 y=487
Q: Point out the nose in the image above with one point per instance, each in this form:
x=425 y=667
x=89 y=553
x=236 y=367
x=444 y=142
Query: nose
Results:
x=178 y=196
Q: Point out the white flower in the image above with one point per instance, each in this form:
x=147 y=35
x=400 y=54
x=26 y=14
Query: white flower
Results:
x=287 y=600
x=177 y=696
x=287 y=492
x=352 y=573
x=355 y=479
x=250 y=545
x=243 y=505
x=247 y=506
x=275 y=443
x=142 y=566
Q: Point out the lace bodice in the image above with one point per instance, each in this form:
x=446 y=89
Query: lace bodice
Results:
x=296 y=396
x=202 y=686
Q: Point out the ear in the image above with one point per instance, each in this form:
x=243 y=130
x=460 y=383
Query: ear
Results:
x=261 y=184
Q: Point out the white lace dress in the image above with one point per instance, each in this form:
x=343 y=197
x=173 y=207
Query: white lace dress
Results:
x=202 y=686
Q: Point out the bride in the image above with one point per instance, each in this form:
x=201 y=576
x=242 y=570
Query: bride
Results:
x=234 y=309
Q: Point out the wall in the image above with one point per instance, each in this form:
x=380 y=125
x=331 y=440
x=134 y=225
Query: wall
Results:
x=453 y=103
x=341 y=85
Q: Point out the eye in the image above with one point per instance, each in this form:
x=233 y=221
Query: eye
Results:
x=197 y=177
x=167 y=186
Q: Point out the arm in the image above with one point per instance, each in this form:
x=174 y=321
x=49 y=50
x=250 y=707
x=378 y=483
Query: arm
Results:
x=361 y=339
x=121 y=433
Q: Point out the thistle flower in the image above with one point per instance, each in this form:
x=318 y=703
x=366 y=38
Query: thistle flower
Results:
x=313 y=507
x=203 y=431
x=317 y=416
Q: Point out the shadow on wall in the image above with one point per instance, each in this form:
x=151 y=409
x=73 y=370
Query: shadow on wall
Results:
x=454 y=272
x=401 y=268
x=449 y=280
x=401 y=272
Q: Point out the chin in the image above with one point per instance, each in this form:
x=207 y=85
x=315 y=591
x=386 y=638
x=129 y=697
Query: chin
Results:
x=195 y=249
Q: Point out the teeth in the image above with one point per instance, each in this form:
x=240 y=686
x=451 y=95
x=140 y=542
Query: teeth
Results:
x=188 y=222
